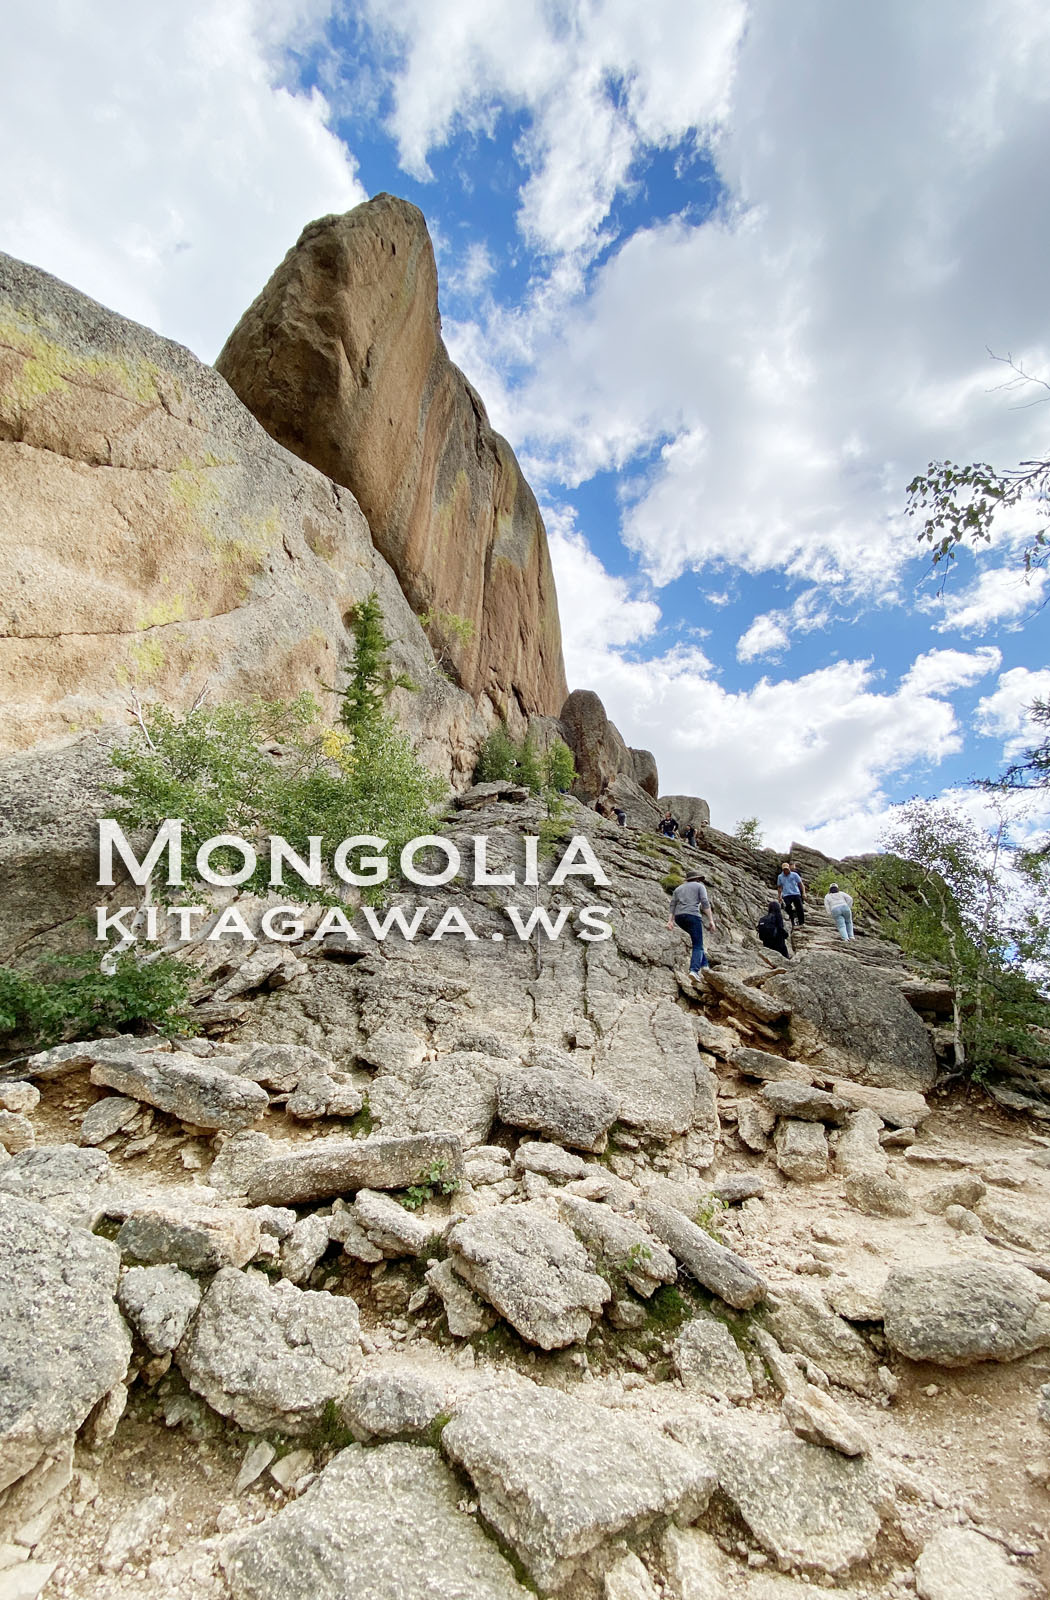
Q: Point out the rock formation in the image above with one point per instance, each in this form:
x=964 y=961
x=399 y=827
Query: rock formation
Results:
x=341 y=359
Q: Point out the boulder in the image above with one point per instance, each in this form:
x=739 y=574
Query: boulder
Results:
x=328 y=1167
x=340 y=357
x=709 y=1361
x=195 y=1238
x=563 y=1106
x=863 y=1025
x=379 y=1524
x=644 y=772
x=958 y=1312
x=72 y=1183
x=558 y=1477
x=619 y=1244
x=160 y=1303
x=454 y=1094
x=809 y=1507
x=804 y=1102
x=270 y=1357
x=801 y=1150
x=466 y=1314
x=185 y=1087
x=533 y=1270
x=961 y=1564
x=597 y=748
x=798 y=1317
x=712 y=1265
x=688 y=809
x=64 y=1343
x=898 y=1108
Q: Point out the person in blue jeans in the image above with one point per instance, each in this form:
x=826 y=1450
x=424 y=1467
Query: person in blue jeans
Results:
x=790 y=891
x=839 y=906
x=691 y=909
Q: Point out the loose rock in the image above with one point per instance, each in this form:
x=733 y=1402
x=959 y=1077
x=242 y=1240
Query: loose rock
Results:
x=565 y=1106
x=186 y=1087
x=965 y=1311
x=711 y=1264
x=533 y=1270
x=330 y=1167
x=160 y=1302
x=801 y=1150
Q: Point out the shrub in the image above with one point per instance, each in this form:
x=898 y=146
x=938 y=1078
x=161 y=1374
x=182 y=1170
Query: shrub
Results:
x=38 y=1010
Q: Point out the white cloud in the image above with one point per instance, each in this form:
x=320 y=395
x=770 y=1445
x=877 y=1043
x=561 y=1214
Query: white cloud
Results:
x=999 y=597
x=1005 y=713
x=941 y=671
x=599 y=612
x=152 y=158
x=765 y=637
x=797 y=359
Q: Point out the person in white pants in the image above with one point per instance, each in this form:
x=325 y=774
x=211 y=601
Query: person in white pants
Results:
x=839 y=906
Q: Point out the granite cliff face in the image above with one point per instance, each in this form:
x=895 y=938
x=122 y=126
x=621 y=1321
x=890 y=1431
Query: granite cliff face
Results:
x=341 y=360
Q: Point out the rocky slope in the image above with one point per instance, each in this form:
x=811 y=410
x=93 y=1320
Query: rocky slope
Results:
x=341 y=359
x=491 y=1267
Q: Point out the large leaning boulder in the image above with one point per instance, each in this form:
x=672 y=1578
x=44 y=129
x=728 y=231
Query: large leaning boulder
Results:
x=341 y=359
x=965 y=1311
x=63 y=1343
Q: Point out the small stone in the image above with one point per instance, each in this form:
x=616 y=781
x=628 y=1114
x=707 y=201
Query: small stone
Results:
x=962 y=1191
x=131 y=1534
x=106 y=1117
x=255 y=1463
x=801 y=1150
x=304 y=1247
x=290 y=1468
x=818 y=1418
x=160 y=1303
x=549 y=1160
x=389 y=1226
x=19 y=1097
x=709 y=1361
x=962 y=1220
x=16 y=1132
x=754 y=1123
x=804 y=1102
x=878 y=1195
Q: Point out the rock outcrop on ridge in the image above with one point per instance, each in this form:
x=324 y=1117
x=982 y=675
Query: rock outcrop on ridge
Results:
x=341 y=359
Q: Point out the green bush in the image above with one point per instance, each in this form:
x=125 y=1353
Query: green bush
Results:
x=559 y=767
x=498 y=759
x=38 y=1010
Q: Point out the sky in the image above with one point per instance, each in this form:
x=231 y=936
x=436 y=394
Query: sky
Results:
x=727 y=275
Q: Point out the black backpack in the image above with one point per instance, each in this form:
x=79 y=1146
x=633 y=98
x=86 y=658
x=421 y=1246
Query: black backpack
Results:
x=766 y=927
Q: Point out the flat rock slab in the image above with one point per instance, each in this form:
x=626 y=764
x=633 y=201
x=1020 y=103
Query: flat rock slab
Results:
x=64 y=1343
x=563 y=1106
x=804 y=1102
x=533 y=1270
x=713 y=1265
x=454 y=1094
x=330 y=1167
x=196 y=1238
x=379 y=1524
x=556 y=1477
x=755 y=1002
x=900 y=1108
x=965 y=1311
x=800 y=1318
x=648 y=1061
x=270 y=1357
x=185 y=1087
x=809 y=1507
x=961 y=1564
x=767 y=1067
x=72 y=1183
x=63 y=1059
x=106 y=1117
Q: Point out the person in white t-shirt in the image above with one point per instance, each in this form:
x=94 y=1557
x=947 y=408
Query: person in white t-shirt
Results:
x=839 y=906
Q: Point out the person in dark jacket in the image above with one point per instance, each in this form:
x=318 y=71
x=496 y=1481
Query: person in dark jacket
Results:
x=689 y=836
x=771 y=930
x=668 y=826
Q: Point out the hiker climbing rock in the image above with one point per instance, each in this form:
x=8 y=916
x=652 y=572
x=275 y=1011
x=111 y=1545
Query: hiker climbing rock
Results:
x=690 y=909
x=791 y=890
x=771 y=930
x=668 y=825
x=839 y=906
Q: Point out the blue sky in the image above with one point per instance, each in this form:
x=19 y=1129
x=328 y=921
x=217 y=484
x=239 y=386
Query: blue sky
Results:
x=727 y=275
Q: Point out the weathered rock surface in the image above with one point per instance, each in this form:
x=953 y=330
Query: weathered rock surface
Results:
x=709 y=1360
x=961 y=1564
x=392 y=1229
x=64 y=1343
x=964 y=1311
x=619 y=1244
x=185 y=1087
x=72 y=1183
x=330 y=1167
x=379 y=1524
x=710 y=1263
x=454 y=1094
x=563 y=1106
x=195 y=1238
x=801 y=1150
x=160 y=1303
x=341 y=359
x=819 y=1419
x=270 y=1357
x=158 y=537
x=899 y=1108
x=806 y=1103
x=557 y=1477
x=466 y=1314
x=868 y=1031
x=603 y=760
x=647 y=1060
x=533 y=1269
x=799 y=1318
x=106 y=1117
x=807 y=1506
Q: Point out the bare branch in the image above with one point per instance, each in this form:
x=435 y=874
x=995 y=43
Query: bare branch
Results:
x=136 y=707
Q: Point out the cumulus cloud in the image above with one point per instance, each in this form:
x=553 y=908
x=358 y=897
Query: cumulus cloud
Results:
x=153 y=158
x=941 y=671
x=1005 y=713
x=765 y=637
x=1001 y=597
